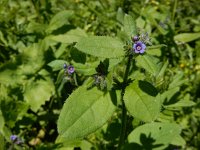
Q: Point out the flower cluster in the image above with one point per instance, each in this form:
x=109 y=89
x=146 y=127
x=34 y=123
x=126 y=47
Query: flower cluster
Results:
x=138 y=46
x=100 y=81
x=139 y=42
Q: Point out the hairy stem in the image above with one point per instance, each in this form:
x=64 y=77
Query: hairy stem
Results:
x=124 y=111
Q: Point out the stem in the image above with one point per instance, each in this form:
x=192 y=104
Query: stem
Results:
x=174 y=10
x=124 y=111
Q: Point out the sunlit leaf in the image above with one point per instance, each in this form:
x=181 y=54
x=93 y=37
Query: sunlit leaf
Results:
x=157 y=133
x=59 y=20
x=129 y=26
x=149 y=63
x=84 y=112
x=38 y=92
x=101 y=46
x=142 y=101
x=186 y=37
x=57 y=64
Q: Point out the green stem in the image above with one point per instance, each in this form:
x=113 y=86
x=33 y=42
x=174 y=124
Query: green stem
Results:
x=124 y=111
x=174 y=11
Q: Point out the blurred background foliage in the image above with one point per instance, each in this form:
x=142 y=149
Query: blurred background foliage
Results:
x=31 y=36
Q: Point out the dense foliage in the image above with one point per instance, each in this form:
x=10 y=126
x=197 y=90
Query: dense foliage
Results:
x=99 y=74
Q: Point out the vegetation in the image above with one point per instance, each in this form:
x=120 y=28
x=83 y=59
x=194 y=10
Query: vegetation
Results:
x=99 y=74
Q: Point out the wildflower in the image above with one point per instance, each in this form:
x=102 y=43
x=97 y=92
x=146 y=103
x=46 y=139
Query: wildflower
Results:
x=70 y=69
x=139 y=47
x=15 y=139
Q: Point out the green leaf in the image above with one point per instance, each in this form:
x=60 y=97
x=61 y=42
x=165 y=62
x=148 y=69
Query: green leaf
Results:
x=184 y=102
x=120 y=15
x=169 y=132
x=149 y=63
x=142 y=101
x=38 y=92
x=168 y=94
x=186 y=37
x=101 y=46
x=69 y=37
x=181 y=103
x=177 y=80
x=162 y=70
x=59 y=20
x=57 y=64
x=155 y=50
x=87 y=68
x=84 y=112
x=129 y=26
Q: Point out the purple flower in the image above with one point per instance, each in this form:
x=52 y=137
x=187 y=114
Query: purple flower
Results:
x=135 y=39
x=70 y=69
x=139 y=47
x=13 y=138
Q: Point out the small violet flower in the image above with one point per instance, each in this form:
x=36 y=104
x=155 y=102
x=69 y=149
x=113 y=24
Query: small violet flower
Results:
x=15 y=139
x=70 y=69
x=139 y=47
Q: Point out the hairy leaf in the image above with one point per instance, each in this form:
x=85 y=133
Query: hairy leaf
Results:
x=142 y=101
x=129 y=26
x=101 y=46
x=84 y=112
x=157 y=133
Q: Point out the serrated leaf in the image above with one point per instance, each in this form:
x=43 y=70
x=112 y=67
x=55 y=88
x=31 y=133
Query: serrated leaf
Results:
x=142 y=101
x=59 y=20
x=57 y=64
x=101 y=46
x=129 y=26
x=149 y=63
x=169 y=132
x=186 y=37
x=38 y=92
x=84 y=112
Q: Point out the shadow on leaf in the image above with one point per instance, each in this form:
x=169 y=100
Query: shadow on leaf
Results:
x=147 y=143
